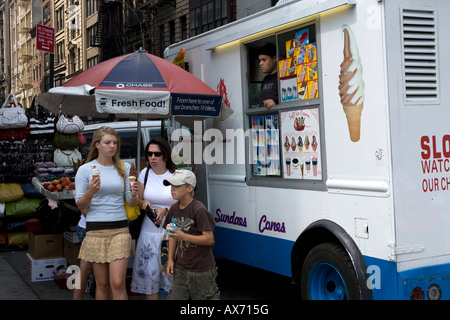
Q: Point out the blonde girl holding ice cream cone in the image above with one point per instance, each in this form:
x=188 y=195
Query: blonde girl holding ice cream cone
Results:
x=107 y=243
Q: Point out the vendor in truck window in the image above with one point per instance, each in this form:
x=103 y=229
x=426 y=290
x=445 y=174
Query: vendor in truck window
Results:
x=267 y=57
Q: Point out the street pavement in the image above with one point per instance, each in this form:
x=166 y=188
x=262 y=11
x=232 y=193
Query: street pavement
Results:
x=235 y=281
x=16 y=285
x=13 y=282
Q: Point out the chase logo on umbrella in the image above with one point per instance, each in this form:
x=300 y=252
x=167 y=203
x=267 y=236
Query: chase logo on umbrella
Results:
x=135 y=85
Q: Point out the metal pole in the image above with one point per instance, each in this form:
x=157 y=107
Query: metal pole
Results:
x=138 y=160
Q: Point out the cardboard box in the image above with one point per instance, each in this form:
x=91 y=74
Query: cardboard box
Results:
x=71 y=251
x=42 y=270
x=45 y=246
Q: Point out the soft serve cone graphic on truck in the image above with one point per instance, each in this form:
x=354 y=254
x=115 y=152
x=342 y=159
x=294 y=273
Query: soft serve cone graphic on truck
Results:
x=351 y=84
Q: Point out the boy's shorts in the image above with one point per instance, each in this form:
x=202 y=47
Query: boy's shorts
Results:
x=189 y=285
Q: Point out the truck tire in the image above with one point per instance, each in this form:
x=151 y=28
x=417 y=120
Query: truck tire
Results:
x=328 y=274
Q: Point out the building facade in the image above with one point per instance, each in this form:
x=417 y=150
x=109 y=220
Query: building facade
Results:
x=91 y=31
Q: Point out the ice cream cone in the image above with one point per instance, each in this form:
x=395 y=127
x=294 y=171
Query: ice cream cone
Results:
x=353 y=114
x=95 y=172
x=351 y=84
x=132 y=179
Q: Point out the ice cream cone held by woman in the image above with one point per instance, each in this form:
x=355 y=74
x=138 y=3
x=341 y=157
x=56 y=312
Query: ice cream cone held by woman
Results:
x=133 y=173
x=95 y=171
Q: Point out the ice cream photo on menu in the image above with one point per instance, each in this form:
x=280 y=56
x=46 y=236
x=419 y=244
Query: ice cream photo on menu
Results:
x=351 y=84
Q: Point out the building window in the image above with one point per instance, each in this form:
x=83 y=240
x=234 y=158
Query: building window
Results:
x=59 y=80
x=286 y=142
x=183 y=25
x=91 y=33
x=73 y=28
x=59 y=58
x=172 y=31
x=92 y=62
x=59 y=17
x=72 y=61
x=209 y=14
x=46 y=13
x=46 y=61
x=91 y=7
x=79 y=67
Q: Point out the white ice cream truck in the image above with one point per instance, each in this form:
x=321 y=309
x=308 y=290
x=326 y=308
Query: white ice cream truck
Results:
x=345 y=184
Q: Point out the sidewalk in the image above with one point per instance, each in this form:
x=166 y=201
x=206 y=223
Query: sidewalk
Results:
x=15 y=284
x=236 y=282
x=12 y=285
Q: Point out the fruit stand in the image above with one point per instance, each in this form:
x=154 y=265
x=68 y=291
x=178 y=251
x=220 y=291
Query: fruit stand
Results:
x=50 y=189
x=64 y=197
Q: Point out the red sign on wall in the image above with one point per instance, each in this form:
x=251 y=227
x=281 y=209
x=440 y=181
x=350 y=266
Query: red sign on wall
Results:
x=45 y=38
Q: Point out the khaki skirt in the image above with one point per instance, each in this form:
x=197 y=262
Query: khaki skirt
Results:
x=104 y=246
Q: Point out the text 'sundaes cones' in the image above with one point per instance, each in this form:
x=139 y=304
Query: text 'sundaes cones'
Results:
x=351 y=84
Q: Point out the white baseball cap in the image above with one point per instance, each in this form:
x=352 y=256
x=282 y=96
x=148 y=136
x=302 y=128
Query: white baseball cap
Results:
x=181 y=177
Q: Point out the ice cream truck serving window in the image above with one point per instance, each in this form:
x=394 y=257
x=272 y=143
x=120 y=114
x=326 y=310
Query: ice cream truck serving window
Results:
x=286 y=145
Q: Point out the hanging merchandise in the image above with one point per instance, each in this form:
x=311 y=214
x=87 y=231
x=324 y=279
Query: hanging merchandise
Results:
x=10 y=192
x=67 y=158
x=14 y=116
x=82 y=138
x=42 y=127
x=23 y=208
x=30 y=192
x=18 y=160
x=69 y=125
x=65 y=141
x=18 y=238
x=42 y=122
x=14 y=134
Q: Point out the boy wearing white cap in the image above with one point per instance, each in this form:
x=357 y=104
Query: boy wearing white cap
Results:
x=191 y=261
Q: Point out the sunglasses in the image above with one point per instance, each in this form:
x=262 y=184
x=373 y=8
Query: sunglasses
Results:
x=157 y=154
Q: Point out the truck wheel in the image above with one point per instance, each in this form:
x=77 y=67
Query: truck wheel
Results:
x=328 y=274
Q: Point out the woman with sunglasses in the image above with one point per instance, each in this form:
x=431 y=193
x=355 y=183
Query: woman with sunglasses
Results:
x=147 y=277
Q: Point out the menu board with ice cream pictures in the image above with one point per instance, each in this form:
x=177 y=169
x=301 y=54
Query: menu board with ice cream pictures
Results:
x=266 y=148
x=298 y=71
x=300 y=139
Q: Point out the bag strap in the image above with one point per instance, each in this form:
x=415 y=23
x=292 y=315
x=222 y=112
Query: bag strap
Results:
x=146 y=176
x=6 y=103
x=124 y=176
x=67 y=152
